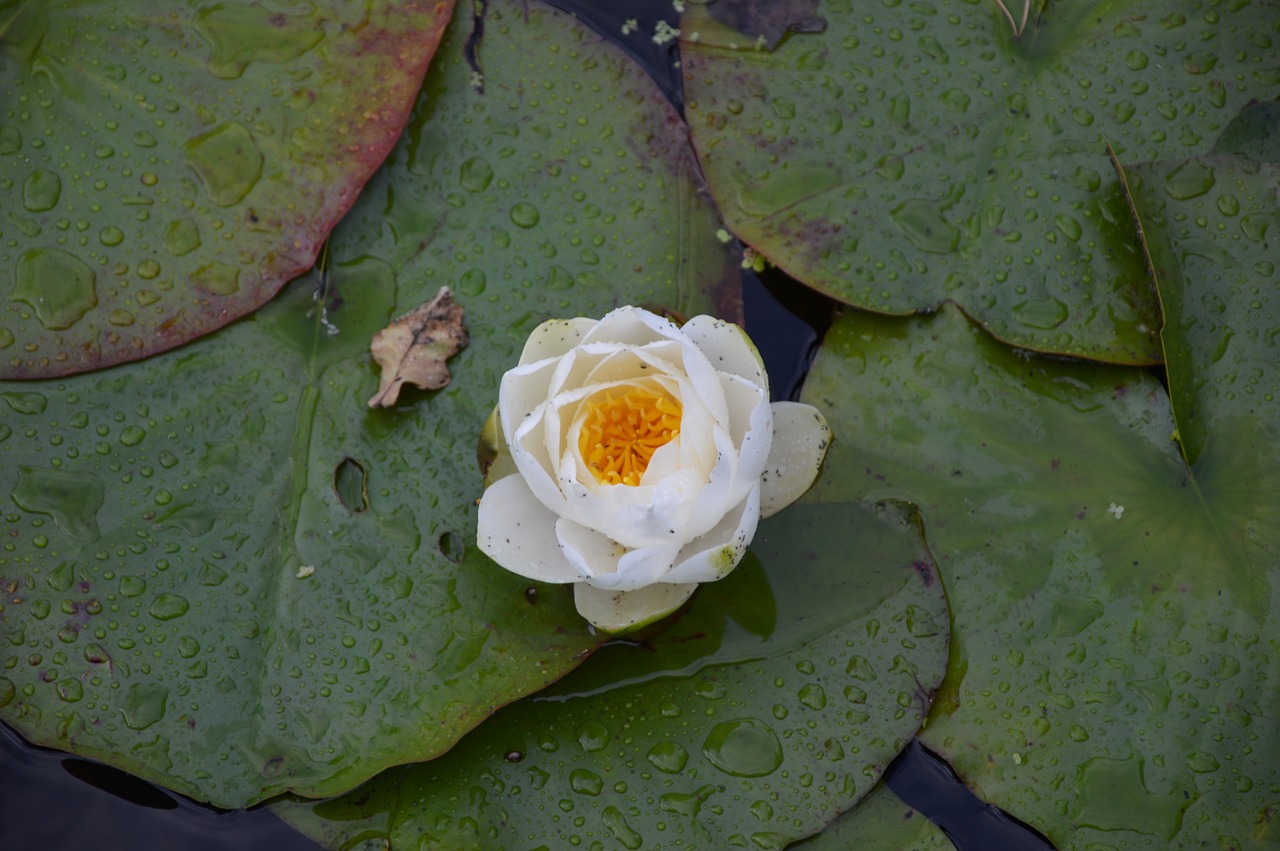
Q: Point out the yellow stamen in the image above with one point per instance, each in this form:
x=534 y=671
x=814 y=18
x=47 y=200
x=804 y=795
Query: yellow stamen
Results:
x=621 y=433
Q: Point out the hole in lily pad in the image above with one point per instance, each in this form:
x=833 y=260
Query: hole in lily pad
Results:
x=350 y=484
x=451 y=547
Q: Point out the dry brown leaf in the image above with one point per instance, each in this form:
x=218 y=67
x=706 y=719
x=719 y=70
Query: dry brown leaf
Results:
x=414 y=347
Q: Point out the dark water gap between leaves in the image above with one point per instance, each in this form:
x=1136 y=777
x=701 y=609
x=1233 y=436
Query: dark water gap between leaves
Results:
x=56 y=801
x=925 y=782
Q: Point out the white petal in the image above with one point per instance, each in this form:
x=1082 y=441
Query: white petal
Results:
x=800 y=440
x=591 y=553
x=697 y=429
x=705 y=381
x=528 y=451
x=622 y=363
x=519 y=533
x=638 y=568
x=522 y=390
x=619 y=611
x=722 y=491
x=718 y=552
x=554 y=337
x=751 y=424
x=633 y=326
x=634 y=516
x=728 y=348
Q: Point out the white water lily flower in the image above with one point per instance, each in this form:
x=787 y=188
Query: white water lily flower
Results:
x=641 y=456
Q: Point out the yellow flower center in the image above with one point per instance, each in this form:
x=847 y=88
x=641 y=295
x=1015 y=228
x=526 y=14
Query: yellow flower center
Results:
x=621 y=433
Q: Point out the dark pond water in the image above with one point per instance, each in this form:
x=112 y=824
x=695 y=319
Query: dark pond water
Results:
x=55 y=801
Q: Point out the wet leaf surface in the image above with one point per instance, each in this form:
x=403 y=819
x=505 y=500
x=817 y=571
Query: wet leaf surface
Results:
x=164 y=171
x=770 y=705
x=917 y=152
x=223 y=572
x=1115 y=610
x=1212 y=226
x=879 y=821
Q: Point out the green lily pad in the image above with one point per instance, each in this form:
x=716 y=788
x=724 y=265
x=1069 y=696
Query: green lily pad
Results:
x=771 y=705
x=164 y=171
x=915 y=153
x=1114 y=610
x=1212 y=226
x=222 y=572
x=880 y=821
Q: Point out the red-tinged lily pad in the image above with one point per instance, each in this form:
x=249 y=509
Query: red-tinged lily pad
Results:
x=164 y=168
x=920 y=152
x=222 y=571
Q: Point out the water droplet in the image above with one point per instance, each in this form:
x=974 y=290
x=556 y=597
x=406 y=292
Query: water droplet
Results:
x=593 y=736
x=668 y=757
x=900 y=111
x=70 y=690
x=111 y=235
x=144 y=705
x=475 y=174
x=710 y=690
x=956 y=100
x=558 y=279
x=6 y=338
x=217 y=278
x=623 y=832
x=1228 y=205
x=59 y=286
x=181 y=237
x=240 y=34
x=743 y=748
x=166 y=607
x=10 y=139
x=25 y=403
x=227 y=161
x=1069 y=226
x=1041 y=313
x=923 y=222
x=783 y=107
x=132 y=586
x=860 y=669
x=685 y=805
x=1191 y=179
x=41 y=191
x=524 y=215
x=71 y=498
x=812 y=696
x=585 y=782
x=121 y=318
x=7 y=691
